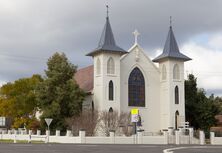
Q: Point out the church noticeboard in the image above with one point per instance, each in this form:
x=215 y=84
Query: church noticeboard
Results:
x=134 y=115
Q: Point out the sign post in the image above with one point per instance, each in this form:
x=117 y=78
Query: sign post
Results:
x=48 y=122
x=134 y=119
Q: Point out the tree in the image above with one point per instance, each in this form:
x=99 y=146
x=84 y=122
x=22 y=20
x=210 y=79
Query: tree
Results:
x=87 y=120
x=200 y=110
x=59 y=96
x=18 y=101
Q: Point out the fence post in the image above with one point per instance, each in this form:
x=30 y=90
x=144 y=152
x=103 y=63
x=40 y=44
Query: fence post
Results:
x=57 y=132
x=191 y=135
x=112 y=136
x=202 y=138
x=212 y=135
x=177 y=135
x=68 y=133
x=47 y=135
x=170 y=130
x=38 y=132
x=82 y=136
x=30 y=134
x=140 y=136
x=15 y=133
x=165 y=134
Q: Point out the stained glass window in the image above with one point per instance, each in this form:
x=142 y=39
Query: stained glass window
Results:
x=111 y=90
x=136 y=89
x=176 y=95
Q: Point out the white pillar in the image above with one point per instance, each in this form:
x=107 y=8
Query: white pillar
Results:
x=112 y=136
x=139 y=137
x=68 y=133
x=47 y=135
x=30 y=132
x=38 y=132
x=202 y=138
x=177 y=137
x=15 y=135
x=9 y=131
x=212 y=135
x=165 y=134
x=170 y=130
x=191 y=135
x=57 y=132
x=82 y=135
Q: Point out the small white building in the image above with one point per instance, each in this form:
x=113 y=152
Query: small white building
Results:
x=121 y=80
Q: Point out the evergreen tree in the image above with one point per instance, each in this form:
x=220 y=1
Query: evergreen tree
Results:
x=200 y=110
x=59 y=95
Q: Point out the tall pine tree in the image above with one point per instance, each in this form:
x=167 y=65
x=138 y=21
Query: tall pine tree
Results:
x=59 y=95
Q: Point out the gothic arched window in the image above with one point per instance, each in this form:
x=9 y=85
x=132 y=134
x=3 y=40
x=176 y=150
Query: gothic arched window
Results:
x=176 y=72
x=98 y=67
x=176 y=93
x=136 y=88
x=110 y=66
x=111 y=90
x=164 y=72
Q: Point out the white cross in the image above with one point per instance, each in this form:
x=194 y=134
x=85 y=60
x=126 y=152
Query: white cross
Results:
x=136 y=34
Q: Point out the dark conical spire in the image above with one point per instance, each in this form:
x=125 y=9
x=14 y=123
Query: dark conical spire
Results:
x=107 y=42
x=171 y=49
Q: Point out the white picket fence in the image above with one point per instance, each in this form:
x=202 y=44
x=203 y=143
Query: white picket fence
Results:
x=166 y=138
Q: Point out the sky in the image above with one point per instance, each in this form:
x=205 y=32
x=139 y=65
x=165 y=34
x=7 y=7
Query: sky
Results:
x=33 y=30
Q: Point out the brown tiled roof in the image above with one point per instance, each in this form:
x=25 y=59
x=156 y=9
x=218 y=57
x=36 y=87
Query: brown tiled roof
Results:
x=84 y=78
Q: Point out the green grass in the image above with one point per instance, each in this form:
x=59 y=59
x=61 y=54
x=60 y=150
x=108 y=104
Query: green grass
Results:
x=19 y=141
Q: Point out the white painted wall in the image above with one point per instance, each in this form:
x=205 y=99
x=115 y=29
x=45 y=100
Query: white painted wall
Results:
x=101 y=83
x=150 y=114
x=167 y=95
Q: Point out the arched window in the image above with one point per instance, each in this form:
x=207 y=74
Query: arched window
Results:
x=136 y=88
x=176 y=119
x=110 y=110
x=111 y=90
x=176 y=72
x=164 y=72
x=98 y=67
x=110 y=66
x=176 y=93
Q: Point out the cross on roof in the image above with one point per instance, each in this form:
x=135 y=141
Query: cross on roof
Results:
x=136 y=34
x=107 y=10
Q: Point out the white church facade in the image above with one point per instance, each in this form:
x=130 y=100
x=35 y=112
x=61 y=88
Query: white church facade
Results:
x=120 y=80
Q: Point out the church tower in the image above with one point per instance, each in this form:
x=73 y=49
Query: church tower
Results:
x=172 y=98
x=106 y=57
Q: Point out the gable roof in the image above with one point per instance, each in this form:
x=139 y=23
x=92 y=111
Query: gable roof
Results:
x=107 y=42
x=171 y=49
x=84 y=78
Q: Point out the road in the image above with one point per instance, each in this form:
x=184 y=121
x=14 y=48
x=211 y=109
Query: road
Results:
x=79 y=148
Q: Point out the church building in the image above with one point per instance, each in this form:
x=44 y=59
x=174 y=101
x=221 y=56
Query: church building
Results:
x=121 y=80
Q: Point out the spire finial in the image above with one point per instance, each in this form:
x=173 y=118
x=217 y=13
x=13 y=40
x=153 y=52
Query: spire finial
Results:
x=170 y=21
x=107 y=11
x=136 y=34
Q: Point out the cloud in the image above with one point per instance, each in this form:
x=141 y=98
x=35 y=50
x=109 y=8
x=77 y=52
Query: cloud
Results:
x=32 y=30
x=206 y=63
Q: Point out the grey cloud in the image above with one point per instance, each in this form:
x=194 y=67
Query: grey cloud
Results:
x=36 y=29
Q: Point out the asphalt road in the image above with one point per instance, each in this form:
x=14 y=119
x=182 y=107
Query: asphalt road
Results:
x=75 y=148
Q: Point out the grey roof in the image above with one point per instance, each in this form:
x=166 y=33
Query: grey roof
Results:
x=107 y=42
x=171 y=49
